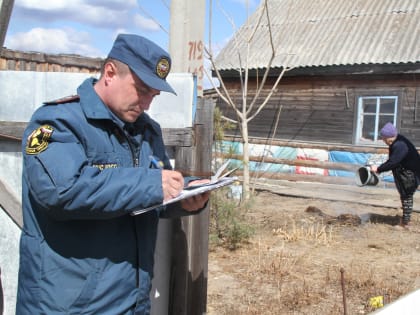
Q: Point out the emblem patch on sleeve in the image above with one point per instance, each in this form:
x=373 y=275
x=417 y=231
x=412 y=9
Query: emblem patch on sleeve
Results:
x=38 y=139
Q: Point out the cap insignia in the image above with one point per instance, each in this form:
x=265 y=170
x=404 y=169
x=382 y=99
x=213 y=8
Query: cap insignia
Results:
x=38 y=139
x=162 y=68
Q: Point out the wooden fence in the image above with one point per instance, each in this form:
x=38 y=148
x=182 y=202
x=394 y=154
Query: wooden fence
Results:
x=305 y=163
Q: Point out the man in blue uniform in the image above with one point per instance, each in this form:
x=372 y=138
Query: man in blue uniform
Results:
x=89 y=161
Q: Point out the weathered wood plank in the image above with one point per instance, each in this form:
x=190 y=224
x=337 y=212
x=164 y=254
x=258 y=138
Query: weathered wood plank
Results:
x=178 y=137
x=189 y=243
x=182 y=137
x=323 y=146
x=12 y=130
x=11 y=205
x=297 y=162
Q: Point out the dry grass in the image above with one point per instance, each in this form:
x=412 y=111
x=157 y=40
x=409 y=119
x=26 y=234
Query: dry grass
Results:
x=292 y=266
x=317 y=232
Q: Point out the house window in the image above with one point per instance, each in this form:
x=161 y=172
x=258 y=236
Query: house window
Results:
x=373 y=113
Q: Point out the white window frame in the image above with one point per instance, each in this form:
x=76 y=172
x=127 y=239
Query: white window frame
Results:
x=361 y=115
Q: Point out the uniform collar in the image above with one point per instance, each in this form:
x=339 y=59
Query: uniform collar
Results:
x=90 y=101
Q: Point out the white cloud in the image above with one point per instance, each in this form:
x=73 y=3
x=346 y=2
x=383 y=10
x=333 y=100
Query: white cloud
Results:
x=74 y=5
x=53 y=41
x=43 y=5
x=106 y=14
x=62 y=26
x=102 y=17
x=112 y=3
x=145 y=23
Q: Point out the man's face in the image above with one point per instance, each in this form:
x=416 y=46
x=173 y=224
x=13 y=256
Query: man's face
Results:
x=388 y=141
x=131 y=97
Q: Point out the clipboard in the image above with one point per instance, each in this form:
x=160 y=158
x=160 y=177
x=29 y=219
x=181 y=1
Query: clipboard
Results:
x=217 y=181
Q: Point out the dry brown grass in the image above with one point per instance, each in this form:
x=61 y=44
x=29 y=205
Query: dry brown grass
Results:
x=317 y=232
x=292 y=265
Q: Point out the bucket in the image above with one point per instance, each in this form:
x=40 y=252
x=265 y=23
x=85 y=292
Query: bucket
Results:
x=364 y=176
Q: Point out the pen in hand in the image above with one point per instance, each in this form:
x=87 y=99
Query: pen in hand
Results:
x=172 y=181
x=156 y=163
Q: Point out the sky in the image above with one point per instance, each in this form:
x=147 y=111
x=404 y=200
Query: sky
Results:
x=89 y=27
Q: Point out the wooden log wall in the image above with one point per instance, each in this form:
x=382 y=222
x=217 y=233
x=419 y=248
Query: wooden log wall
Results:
x=410 y=114
x=33 y=61
x=305 y=115
x=324 y=109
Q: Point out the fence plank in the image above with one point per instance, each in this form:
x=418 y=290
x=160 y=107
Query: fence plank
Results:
x=190 y=234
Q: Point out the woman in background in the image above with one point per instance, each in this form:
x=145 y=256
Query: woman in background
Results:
x=404 y=162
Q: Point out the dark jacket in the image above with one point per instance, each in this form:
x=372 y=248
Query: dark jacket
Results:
x=81 y=251
x=403 y=156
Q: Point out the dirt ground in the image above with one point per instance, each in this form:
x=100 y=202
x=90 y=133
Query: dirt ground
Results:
x=315 y=252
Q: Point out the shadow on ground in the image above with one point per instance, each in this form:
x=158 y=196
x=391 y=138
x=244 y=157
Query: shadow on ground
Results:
x=383 y=219
x=352 y=219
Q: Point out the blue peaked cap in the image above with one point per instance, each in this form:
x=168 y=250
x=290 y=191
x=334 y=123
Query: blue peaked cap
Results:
x=147 y=60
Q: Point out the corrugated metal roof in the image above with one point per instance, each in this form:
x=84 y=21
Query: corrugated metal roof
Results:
x=311 y=33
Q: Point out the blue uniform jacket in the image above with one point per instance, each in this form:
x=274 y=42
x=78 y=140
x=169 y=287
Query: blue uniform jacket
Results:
x=81 y=250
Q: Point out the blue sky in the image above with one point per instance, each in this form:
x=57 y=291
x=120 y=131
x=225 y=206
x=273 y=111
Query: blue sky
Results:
x=88 y=27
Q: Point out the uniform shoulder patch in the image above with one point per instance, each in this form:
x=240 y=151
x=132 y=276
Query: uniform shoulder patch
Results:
x=62 y=100
x=38 y=140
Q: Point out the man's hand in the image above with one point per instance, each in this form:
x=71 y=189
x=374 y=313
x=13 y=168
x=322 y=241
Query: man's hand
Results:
x=172 y=184
x=374 y=168
x=197 y=202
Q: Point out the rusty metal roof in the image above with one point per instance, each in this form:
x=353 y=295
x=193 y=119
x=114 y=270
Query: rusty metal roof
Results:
x=313 y=33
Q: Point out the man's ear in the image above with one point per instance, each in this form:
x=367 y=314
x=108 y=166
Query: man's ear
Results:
x=110 y=71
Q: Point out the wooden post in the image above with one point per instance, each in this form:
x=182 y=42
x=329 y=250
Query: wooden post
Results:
x=190 y=234
x=343 y=287
x=6 y=7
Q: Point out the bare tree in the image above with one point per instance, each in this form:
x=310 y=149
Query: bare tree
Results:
x=244 y=111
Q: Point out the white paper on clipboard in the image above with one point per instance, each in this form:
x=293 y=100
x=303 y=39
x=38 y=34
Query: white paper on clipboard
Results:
x=198 y=189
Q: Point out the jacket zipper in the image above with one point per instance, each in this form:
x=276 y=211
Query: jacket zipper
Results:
x=134 y=153
x=135 y=159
